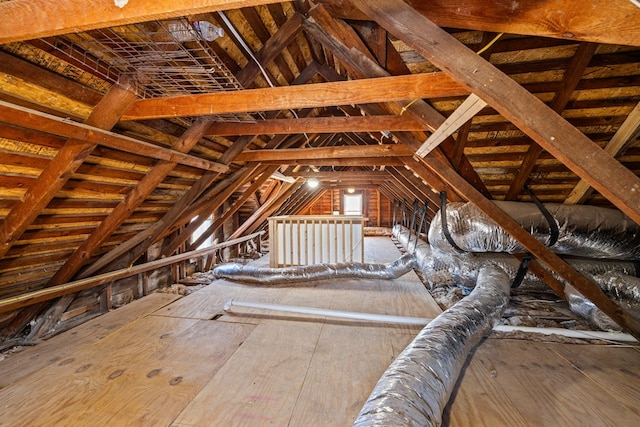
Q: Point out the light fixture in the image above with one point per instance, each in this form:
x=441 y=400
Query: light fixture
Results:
x=313 y=182
x=351 y=190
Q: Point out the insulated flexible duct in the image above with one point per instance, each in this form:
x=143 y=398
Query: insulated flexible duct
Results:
x=584 y=231
x=623 y=289
x=450 y=268
x=416 y=387
x=301 y=274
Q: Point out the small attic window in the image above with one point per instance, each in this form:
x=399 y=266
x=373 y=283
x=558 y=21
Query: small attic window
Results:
x=203 y=227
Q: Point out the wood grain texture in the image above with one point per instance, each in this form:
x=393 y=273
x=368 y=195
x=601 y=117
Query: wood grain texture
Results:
x=527 y=383
x=312 y=95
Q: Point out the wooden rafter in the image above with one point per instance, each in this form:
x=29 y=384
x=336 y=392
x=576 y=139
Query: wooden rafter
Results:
x=526 y=111
x=628 y=132
x=430 y=40
x=124 y=209
x=219 y=220
x=69 y=158
x=570 y=81
x=32 y=119
x=362 y=91
x=614 y=22
x=342 y=40
x=136 y=246
x=335 y=152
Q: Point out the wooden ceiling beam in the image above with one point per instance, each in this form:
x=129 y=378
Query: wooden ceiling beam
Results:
x=384 y=89
x=31 y=19
x=218 y=221
x=345 y=43
x=604 y=21
x=128 y=205
x=333 y=152
x=319 y=125
x=43 y=122
x=341 y=175
x=530 y=114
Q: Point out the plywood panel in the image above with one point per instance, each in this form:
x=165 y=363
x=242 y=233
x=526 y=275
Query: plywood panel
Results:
x=144 y=374
x=527 y=383
x=259 y=385
x=616 y=370
x=49 y=352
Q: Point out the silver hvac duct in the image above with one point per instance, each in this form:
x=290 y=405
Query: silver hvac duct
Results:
x=450 y=268
x=583 y=231
x=416 y=387
x=301 y=274
x=623 y=289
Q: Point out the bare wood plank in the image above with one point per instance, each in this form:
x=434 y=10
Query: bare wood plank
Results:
x=64 y=345
x=69 y=158
x=319 y=125
x=547 y=128
x=606 y=365
x=602 y=22
x=27 y=19
x=383 y=89
x=628 y=132
x=142 y=375
x=271 y=49
x=465 y=112
x=335 y=152
x=32 y=119
x=548 y=388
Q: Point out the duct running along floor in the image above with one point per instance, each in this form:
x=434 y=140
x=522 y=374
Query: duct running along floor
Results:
x=170 y=361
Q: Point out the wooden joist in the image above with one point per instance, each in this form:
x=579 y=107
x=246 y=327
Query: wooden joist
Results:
x=362 y=91
x=337 y=152
x=319 y=125
x=69 y=158
x=625 y=135
x=431 y=40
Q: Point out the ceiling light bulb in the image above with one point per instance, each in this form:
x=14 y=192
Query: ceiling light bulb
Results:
x=313 y=182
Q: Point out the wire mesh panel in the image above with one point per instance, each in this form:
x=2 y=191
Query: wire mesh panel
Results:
x=164 y=58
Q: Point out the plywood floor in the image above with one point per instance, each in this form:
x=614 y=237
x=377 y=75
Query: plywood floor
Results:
x=168 y=361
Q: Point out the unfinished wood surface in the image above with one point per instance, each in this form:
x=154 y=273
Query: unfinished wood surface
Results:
x=433 y=85
x=31 y=359
x=530 y=384
x=26 y=19
x=319 y=125
x=143 y=375
x=177 y=367
x=603 y=21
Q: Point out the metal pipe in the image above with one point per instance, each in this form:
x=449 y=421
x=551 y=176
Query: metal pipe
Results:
x=373 y=317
